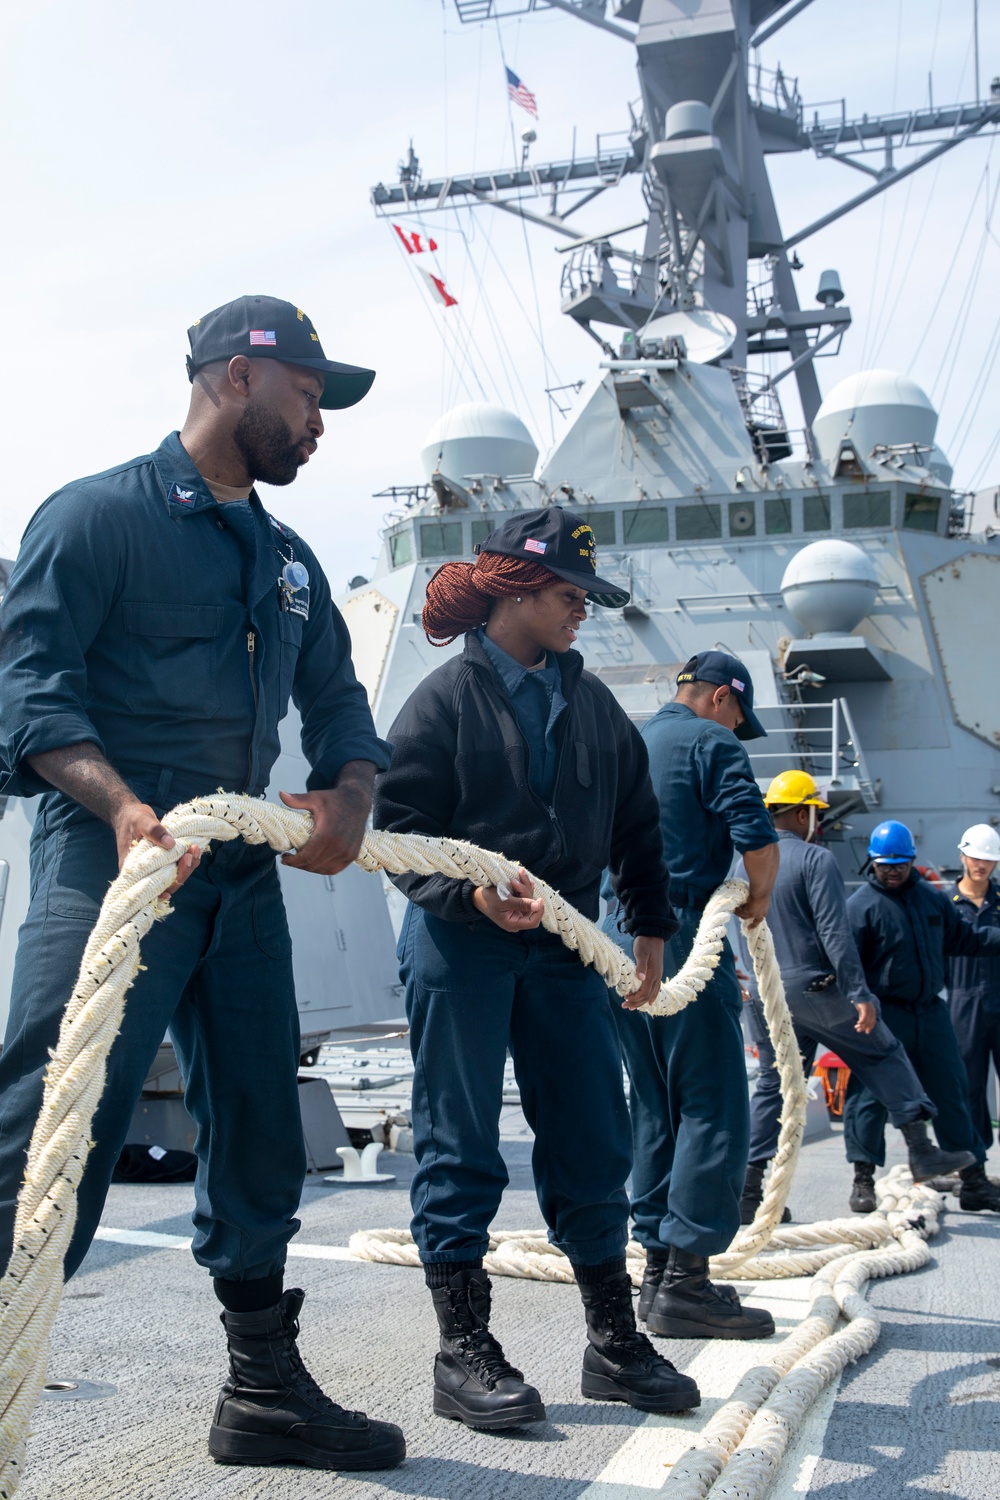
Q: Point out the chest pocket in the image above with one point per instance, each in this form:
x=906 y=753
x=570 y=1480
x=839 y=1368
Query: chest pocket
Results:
x=173 y=658
x=289 y=644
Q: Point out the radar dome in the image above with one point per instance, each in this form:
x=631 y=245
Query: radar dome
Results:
x=939 y=464
x=477 y=438
x=829 y=587
x=872 y=407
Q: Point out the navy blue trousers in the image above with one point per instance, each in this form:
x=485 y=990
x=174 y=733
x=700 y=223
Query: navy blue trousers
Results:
x=689 y=1107
x=977 y=1029
x=219 y=975
x=472 y=993
x=929 y=1039
x=878 y=1059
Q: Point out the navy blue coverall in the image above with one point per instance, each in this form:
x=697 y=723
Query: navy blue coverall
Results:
x=137 y=619
x=905 y=938
x=688 y=1101
x=546 y=767
x=813 y=944
x=974 y=1007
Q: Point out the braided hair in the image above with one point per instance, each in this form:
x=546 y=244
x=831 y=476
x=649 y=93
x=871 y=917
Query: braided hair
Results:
x=460 y=595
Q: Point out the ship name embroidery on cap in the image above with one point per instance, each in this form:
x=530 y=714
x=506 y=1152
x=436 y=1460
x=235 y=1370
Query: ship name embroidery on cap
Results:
x=263 y=336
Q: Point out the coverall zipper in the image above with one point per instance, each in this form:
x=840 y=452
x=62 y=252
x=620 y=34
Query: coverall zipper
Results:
x=251 y=644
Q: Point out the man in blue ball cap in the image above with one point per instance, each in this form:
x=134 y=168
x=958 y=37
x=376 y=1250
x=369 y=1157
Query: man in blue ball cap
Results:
x=906 y=930
x=689 y=1103
x=157 y=622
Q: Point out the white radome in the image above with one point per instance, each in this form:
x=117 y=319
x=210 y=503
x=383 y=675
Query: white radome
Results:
x=871 y=408
x=478 y=439
x=830 y=586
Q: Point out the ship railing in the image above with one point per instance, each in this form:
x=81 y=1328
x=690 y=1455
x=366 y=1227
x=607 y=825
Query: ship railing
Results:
x=770 y=88
x=821 y=739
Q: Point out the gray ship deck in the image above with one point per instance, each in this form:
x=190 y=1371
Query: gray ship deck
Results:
x=918 y=1417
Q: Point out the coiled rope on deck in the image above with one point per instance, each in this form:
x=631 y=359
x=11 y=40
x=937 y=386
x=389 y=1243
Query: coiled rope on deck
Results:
x=74 y=1082
x=31 y=1288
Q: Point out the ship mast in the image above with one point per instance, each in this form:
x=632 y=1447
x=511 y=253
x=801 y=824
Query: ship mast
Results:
x=709 y=117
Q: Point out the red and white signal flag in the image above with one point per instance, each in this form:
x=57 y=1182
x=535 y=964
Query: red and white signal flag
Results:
x=438 y=288
x=412 y=242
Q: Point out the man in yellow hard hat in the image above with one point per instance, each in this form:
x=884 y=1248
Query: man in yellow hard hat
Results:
x=827 y=994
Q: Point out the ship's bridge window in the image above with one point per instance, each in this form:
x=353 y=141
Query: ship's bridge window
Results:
x=699 y=522
x=401 y=548
x=921 y=512
x=742 y=518
x=480 y=531
x=872 y=508
x=778 y=516
x=602 y=524
x=816 y=512
x=441 y=539
x=648 y=523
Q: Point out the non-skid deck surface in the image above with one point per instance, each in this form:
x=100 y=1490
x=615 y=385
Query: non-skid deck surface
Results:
x=918 y=1417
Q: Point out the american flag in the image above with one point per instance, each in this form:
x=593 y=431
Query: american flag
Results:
x=517 y=92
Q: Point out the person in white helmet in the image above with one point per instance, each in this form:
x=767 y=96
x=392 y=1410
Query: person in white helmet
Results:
x=974 y=983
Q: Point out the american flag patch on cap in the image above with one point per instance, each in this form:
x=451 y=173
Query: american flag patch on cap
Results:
x=738 y=685
x=532 y=546
x=262 y=336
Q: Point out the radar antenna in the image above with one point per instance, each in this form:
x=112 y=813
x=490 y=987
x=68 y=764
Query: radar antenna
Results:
x=709 y=117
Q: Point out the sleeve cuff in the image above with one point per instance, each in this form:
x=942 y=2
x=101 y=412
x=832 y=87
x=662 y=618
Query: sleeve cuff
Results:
x=52 y=732
x=325 y=772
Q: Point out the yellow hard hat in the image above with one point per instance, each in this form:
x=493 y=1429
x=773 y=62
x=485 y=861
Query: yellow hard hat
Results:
x=793 y=789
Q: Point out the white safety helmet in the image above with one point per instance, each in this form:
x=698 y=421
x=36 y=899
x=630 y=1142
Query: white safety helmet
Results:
x=981 y=842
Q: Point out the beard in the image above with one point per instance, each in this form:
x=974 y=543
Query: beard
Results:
x=266 y=445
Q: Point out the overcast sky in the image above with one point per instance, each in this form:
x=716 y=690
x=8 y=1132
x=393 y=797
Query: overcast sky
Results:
x=162 y=159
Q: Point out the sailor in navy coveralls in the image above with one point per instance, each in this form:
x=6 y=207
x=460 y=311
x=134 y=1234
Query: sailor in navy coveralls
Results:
x=827 y=995
x=689 y=1106
x=513 y=746
x=906 y=931
x=156 y=624
x=974 y=983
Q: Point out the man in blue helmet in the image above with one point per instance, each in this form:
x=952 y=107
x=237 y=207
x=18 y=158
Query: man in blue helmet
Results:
x=688 y=1101
x=906 y=930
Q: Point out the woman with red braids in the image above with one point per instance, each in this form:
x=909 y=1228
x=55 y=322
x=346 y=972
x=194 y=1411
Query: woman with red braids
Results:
x=513 y=746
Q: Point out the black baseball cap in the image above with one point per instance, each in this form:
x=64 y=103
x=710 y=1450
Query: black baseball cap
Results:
x=561 y=542
x=267 y=328
x=726 y=671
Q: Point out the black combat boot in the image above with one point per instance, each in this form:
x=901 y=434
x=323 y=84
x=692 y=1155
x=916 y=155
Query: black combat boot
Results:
x=271 y=1411
x=926 y=1159
x=978 y=1191
x=473 y=1381
x=620 y=1364
x=689 y=1306
x=862 y=1199
x=656 y=1260
x=753 y=1195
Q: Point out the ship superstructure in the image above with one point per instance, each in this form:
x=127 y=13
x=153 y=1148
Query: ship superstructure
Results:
x=837 y=561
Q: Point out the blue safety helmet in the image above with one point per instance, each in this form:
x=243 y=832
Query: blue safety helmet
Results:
x=892 y=843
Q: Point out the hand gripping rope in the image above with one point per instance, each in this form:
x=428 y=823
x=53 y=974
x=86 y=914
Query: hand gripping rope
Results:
x=746 y=1438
